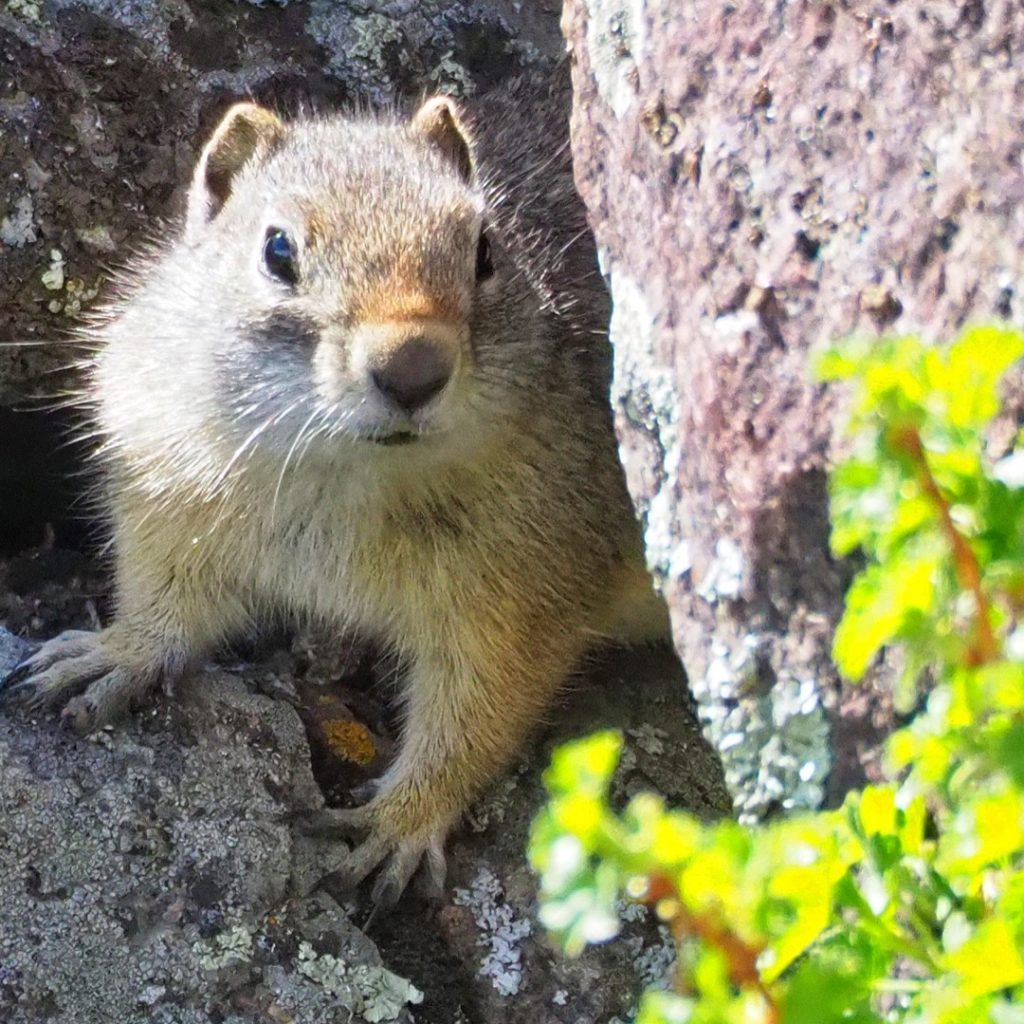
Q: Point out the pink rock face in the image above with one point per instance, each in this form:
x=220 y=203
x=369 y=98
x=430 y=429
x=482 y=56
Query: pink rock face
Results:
x=763 y=180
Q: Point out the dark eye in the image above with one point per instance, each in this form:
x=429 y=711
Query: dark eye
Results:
x=484 y=264
x=279 y=257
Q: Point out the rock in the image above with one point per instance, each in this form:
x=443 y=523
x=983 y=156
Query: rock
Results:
x=763 y=180
x=151 y=873
x=145 y=875
x=12 y=651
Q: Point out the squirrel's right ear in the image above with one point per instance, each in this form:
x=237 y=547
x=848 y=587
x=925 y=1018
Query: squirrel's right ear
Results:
x=246 y=131
x=438 y=120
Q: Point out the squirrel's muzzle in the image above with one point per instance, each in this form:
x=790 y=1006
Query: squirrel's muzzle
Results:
x=411 y=373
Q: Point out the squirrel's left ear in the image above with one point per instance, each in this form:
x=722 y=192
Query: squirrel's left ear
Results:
x=438 y=120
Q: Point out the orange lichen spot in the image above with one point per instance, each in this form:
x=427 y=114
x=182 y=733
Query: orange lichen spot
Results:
x=350 y=741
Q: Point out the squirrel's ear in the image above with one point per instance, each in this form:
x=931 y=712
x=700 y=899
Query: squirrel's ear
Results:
x=245 y=131
x=438 y=120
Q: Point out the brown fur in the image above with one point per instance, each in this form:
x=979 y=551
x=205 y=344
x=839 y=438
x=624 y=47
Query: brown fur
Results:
x=489 y=543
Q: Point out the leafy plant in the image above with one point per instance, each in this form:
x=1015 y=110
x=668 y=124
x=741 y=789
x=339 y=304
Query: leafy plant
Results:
x=907 y=904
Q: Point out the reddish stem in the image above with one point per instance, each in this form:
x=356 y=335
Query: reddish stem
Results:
x=740 y=957
x=968 y=570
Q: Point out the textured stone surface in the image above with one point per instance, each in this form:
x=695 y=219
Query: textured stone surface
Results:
x=145 y=875
x=153 y=873
x=763 y=179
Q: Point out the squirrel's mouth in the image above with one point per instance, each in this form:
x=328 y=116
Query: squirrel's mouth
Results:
x=398 y=438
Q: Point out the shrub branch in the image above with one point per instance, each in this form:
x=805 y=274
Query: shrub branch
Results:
x=740 y=957
x=985 y=648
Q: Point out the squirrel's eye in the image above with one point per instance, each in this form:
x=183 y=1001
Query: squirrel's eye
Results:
x=484 y=264
x=279 y=257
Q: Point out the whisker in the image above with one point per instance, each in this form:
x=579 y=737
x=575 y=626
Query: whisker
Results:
x=287 y=460
x=251 y=440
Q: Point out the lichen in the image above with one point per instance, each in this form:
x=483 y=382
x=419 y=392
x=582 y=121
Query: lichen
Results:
x=349 y=740
x=614 y=36
x=18 y=227
x=655 y=962
x=77 y=294
x=97 y=237
x=647 y=398
x=501 y=931
x=229 y=947
x=774 y=741
x=375 y=993
x=451 y=77
x=53 y=277
x=649 y=738
x=723 y=579
x=493 y=807
x=372 y=34
x=27 y=10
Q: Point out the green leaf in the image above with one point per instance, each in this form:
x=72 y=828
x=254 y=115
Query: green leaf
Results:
x=1007 y=745
x=878 y=810
x=976 y=363
x=989 y=961
x=586 y=765
x=819 y=995
x=879 y=603
x=987 y=830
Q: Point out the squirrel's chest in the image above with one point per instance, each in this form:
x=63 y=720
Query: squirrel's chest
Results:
x=365 y=564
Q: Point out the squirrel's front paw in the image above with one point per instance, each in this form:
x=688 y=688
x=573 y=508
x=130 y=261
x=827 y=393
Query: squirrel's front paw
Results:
x=83 y=672
x=385 y=844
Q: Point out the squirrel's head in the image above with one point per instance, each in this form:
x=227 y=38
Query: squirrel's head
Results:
x=356 y=272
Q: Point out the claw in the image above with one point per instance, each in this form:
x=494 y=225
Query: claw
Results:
x=385 y=892
x=13 y=682
x=61 y=665
x=81 y=671
x=13 y=686
x=400 y=856
x=371 y=917
x=437 y=868
x=392 y=881
x=361 y=861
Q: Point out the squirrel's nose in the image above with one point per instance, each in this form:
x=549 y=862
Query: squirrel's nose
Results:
x=413 y=373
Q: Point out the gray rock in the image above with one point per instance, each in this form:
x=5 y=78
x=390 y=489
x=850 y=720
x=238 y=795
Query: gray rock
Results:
x=12 y=651
x=152 y=874
x=145 y=875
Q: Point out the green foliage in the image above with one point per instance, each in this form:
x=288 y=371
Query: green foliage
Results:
x=907 y=904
